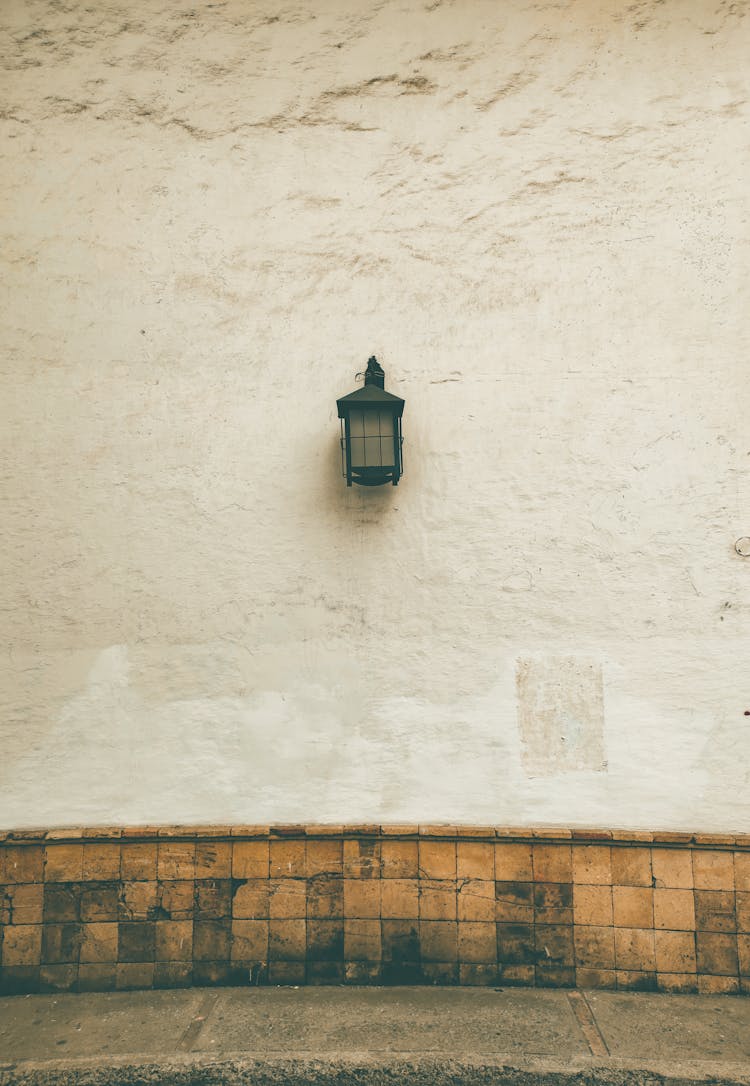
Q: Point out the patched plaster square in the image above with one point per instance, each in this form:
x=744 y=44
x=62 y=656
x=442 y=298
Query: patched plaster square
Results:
x=560 y=714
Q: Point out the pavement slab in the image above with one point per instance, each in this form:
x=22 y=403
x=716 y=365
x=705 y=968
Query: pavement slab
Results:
x=372 y=1037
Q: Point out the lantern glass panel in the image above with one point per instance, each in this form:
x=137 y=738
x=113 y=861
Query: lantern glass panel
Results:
x=372 y=439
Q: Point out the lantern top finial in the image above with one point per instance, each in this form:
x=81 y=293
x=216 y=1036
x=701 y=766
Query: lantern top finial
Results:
x=374 y=374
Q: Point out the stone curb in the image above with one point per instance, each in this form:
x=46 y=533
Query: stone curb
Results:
x=365 y=1070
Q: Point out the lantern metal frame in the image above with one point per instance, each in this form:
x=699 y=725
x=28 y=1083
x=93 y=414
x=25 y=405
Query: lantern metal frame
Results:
x=370 y=400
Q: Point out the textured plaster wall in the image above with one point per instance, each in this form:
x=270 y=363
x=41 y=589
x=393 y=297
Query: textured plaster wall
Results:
x=536 y=216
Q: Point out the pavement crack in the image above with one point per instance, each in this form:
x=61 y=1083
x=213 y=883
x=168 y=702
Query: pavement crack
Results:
x=585 y=1018
x=191 y=1034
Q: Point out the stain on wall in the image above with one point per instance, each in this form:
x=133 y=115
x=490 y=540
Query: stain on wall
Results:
x=560 y=714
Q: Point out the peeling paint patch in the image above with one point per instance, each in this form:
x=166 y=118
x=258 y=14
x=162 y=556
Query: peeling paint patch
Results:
x=560 y=714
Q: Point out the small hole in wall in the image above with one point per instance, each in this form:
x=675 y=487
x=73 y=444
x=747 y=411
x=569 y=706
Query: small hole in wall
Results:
x=747 y=712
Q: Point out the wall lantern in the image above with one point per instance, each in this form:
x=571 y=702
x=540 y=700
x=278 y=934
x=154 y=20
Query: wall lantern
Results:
x=371 y=432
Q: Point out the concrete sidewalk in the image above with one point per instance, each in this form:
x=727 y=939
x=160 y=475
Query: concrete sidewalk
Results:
x=372 y=1036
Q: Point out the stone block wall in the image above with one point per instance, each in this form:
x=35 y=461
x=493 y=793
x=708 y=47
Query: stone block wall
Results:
x=102 y=909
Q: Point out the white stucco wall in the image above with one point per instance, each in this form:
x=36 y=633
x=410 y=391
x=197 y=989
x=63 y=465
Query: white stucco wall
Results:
x=536 y=216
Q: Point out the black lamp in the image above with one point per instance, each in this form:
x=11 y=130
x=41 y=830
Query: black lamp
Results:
x=371 y=431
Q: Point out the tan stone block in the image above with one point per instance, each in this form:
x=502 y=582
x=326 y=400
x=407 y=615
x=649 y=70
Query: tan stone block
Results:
x=138 y=900
x=399 y=859
x=174 y=940
x=287 y=899
x=250 y=940
x=57 y=978
x=134 y=976
x=286 y=972
x=61 y=943
x=287 y=859
x=475 y=860
x=683 y=983
x=717 y=953
x=138 y=860
x=362 y=899
x=713 y=869
x=212 y=942
x=437 y=899
x=743 y=911
x=553 y=863
x=592 y=905
x=634 y=949
x=592 y=865
x=362 y=941
x=99 y=903
x=596 y=978
x=717 y=985
x=213 y=899
x=437 y=859
x=514 y=902
x=553 y=903
x=673 y=868
x=476 y=900
x=25 y=902
x=715 y=910
x=101 y=862
x=743 y=951
x=675 y=951
x=175 y=859
x=99 y=943
x=22 y=945
x=554 y=945
x=324 y=858
x=631 y=866
x=633 y=906
x=636 y=980
x=515 y=944
x=213 y=859
x=594 y=947
x=478 y=976
x=362 y=858
x=325 y=898
x=22 y=863
x=477 y=942
x=513 y=862
x=516 y=976
x=674 y=909
x=438 y=940
x=250 y=859
x=325 y=943
x=251 y=900
x=97 y=977
x=176 y=898
x=63 y=863
x=287 y=940
x=742 y=871
x=400 y=899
